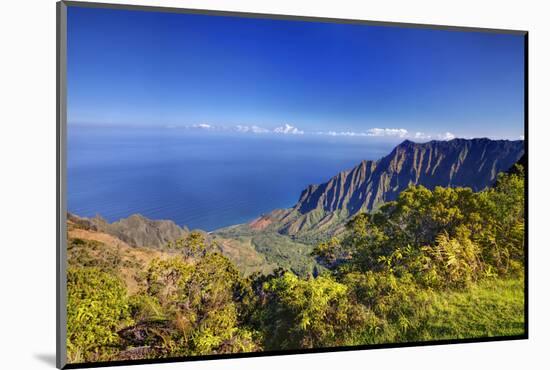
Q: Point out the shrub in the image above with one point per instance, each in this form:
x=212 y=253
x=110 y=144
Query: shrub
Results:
x=309 y=313
x=97 y=307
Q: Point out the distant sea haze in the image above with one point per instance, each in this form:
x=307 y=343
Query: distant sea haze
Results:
x=200 y=180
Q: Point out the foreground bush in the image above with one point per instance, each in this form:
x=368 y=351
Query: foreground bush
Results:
x=191 y=307
x=97 y=307
x=310 y=313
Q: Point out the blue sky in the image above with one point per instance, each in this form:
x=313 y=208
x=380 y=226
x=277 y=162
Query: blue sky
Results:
x=133 y=68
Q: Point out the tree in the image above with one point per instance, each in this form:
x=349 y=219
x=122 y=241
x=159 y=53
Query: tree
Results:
x=502 y=237
x=193 y=245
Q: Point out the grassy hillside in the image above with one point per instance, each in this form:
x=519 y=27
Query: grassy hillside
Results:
x=87 y=248
x=494 y=307
x=491 y=308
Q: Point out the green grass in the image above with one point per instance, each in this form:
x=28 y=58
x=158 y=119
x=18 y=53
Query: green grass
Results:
x=494 y=307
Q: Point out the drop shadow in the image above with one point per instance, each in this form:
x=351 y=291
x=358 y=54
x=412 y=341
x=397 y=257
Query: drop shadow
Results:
x=47 y=358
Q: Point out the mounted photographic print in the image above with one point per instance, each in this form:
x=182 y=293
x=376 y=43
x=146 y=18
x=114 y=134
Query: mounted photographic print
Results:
x=234 y=184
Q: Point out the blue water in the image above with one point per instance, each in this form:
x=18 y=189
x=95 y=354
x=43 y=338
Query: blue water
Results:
x=201 y=180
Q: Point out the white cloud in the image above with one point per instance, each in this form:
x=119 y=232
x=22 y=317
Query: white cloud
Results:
x=258 y=130
x=203 y=126
x=522 y=137
x=422 y=136
x=398 y=132
x=288 y=130
x=241 y=128
x=252 y=129
x=391 y=132
x=285 y=129
x=446 y=136
x=344 y=133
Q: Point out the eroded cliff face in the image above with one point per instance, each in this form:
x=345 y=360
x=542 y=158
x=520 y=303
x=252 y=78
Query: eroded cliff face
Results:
x=473 y=163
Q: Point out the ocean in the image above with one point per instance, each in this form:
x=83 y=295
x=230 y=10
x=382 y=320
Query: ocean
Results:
x=200 y=179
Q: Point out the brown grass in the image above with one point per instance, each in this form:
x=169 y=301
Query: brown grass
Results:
x=134 y=260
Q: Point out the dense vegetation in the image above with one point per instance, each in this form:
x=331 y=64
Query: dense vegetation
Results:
x=434 y=264
x=276 y=250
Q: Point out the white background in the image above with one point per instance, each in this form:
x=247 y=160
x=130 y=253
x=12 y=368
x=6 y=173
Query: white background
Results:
x=27 y=180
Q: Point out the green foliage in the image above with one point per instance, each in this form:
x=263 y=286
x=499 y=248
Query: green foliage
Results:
x=452 y=262
x=494 y=307
x=398 y=304
x=145 y=308
x=166 y=279
x=97 y=307
x=91 y=253
x=196 y=303
x=448 y=236
x=433 y=264
x=284 y=252
x=193 y=245
x=288 y=252
x=502 y=233
x=330 y=252
x=309 y=313
x=401 y=262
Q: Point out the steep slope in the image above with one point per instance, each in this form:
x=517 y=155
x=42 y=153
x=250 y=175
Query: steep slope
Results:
x=321 y=209
x=474 y=163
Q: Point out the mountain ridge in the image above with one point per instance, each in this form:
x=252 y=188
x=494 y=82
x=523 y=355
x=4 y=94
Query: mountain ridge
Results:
x=136 y=230
x=458 y=162
x=473 y=163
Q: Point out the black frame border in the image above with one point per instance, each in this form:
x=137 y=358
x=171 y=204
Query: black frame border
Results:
x=61 y=210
